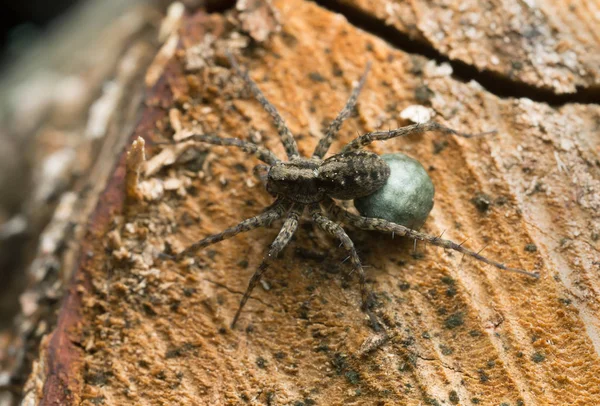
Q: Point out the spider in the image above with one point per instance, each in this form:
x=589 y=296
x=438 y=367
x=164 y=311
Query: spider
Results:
x=300 y=183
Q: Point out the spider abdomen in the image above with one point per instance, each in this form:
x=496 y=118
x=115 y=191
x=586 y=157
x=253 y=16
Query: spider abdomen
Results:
x=352 y=174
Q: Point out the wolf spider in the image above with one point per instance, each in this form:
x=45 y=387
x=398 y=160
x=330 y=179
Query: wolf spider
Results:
x=314 y=182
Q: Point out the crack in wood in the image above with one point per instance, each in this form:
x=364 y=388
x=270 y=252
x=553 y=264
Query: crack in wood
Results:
x=442 y=364
x=495 y=83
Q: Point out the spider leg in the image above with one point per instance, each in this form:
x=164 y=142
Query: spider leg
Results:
x=259 y=152
x=338 y=232
x=275 y=211
x=419 y=128
x=289 y=143
x=261 y=172
x=367 y=223
x=283 y=238
x=334 y=127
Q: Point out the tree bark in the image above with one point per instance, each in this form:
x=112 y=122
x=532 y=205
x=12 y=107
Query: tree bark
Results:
x=137 y=329
x=69 y=104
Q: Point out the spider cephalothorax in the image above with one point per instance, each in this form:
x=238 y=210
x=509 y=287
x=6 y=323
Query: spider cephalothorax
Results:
x=343 y=176
x=314 y=183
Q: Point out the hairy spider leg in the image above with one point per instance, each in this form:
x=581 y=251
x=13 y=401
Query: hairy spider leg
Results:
x=289 y=143
x=338 y=232
x=325 y=142
x=273 y=212
x=259 y=152
x=368 y=223
x=419 y=128
x=261 y=171
x=288 y=229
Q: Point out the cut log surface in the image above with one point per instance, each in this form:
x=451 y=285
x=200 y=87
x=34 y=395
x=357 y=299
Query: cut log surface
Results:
x=544 y=43
x=141 y=330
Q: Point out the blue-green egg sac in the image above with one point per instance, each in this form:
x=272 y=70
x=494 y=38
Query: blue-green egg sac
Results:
x=406 y=198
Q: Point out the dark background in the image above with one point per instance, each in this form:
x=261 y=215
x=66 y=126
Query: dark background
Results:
x=21 y=21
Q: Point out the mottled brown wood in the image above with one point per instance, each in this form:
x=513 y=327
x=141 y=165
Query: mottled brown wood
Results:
x=544 y=43
x=150 y=331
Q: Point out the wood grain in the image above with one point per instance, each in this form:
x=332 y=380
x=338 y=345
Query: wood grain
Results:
x=154 y=332
x=547 y=44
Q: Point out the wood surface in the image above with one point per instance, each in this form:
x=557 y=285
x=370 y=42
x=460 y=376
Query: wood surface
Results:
x=137 y=329
x=539 y=44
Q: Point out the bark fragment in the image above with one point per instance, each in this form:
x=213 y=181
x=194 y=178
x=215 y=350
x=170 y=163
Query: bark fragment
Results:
x=135 y=159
